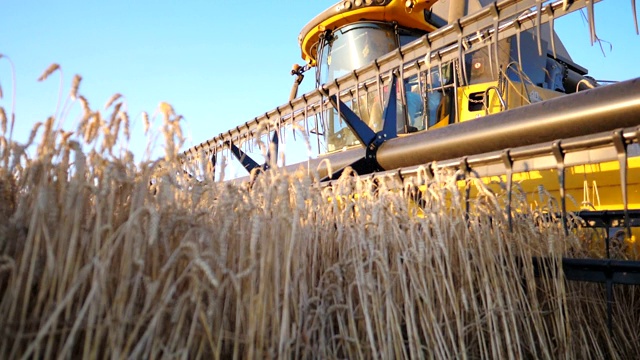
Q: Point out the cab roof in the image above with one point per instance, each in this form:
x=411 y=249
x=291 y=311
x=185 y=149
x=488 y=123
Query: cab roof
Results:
x=409 y=14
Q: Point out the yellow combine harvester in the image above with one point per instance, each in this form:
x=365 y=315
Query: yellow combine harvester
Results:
x=528 y=67
x=502 y=66
x=487 y=88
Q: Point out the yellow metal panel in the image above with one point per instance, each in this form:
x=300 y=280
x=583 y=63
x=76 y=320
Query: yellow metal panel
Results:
x=516 y=95
x=599 y=190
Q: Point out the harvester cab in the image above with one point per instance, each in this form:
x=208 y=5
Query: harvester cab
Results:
x=351 y=35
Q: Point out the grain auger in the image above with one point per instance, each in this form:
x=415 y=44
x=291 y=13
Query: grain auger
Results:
x=475 y=84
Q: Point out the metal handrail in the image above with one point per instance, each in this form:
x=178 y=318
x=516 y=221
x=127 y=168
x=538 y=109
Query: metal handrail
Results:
x=486 y=96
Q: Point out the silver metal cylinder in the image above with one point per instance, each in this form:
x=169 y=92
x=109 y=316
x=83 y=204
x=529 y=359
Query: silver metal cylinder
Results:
x=587 y=112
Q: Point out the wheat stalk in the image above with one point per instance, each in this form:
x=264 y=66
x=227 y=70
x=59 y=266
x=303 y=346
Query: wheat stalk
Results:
x=48 y=71
x=74 y=86
x=101 y=256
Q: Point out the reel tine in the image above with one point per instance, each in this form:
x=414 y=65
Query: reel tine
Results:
x=538 y=21
x=461 y=52
x=273 y=158
x=592 y=21
x=508 y=164
x=558 y=153
x=635 y=15
x=621 y=148
x=551 y=30
x=518 y=31
x=202 y=164
x=292 y=121
x=212 y=161
x=389 y=125
x=496 y=23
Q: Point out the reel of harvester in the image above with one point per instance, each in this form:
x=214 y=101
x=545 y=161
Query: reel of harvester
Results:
x=406 y=85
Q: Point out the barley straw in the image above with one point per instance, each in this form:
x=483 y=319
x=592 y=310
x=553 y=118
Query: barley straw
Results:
x=102 y=257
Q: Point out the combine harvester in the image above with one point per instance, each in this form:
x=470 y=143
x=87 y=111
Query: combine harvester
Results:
x=407 y=87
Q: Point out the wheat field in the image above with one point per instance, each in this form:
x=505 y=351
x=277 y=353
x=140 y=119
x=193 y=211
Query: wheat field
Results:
x=103 y=257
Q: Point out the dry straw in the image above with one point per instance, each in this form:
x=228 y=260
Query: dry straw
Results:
x=101 y=257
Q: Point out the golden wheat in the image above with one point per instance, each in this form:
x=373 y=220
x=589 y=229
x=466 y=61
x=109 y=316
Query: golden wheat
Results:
x=101 y=257
x=48 y=71
x=112 y=100
x=3 y=120
x=74 y=86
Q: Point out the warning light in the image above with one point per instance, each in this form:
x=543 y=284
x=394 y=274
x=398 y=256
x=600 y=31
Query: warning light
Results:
x=477 y=65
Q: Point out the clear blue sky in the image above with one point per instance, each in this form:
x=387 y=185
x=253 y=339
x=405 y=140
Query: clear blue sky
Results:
x=219 y=63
